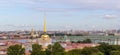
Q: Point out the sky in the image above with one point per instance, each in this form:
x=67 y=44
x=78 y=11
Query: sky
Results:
x=60 y=14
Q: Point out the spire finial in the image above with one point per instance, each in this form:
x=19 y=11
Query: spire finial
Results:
x=45 y=30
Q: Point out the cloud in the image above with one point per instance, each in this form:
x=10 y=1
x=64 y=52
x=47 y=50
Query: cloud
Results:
x=110 y=16
x=71 y=5
x=95 y=4
x=88 y=4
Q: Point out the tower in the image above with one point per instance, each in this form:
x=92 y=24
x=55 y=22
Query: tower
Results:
x=32 y=33
x=45 y=40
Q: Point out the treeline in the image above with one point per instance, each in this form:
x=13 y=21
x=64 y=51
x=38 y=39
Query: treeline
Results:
x=103 y=49
x=57 y=49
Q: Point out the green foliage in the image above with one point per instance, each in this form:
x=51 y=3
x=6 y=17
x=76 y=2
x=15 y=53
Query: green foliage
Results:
x=74 y=52
x=115 y=53
x=87 y=41
x=107 y=49
x=57 y=49
x=49 y=50
x=15 y=50
x=42 y=53
x=85 y=51
x=98 y=53
x=89 y=51
x=37 y=50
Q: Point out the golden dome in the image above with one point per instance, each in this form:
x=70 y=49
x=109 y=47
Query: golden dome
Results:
x=45 y=36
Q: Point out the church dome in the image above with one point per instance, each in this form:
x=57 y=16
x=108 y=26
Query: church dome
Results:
x=45 y=36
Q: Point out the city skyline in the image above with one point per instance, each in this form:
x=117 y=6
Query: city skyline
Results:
x=61 y=15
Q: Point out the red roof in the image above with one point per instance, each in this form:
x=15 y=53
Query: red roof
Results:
x=70 y=46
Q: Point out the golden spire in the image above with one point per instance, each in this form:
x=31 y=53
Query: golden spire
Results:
x=45 y=30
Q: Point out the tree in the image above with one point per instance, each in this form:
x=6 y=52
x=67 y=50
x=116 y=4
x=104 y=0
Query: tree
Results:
x=79 y=41
x=115 y=53
x=74 y=52
x=89 y=51
x=37 y=50
x=43 y=53
x=98 y=53
x=16 y=50
x=49 y=50
x=106 y=48
x=57 y=49
x=87 y=41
